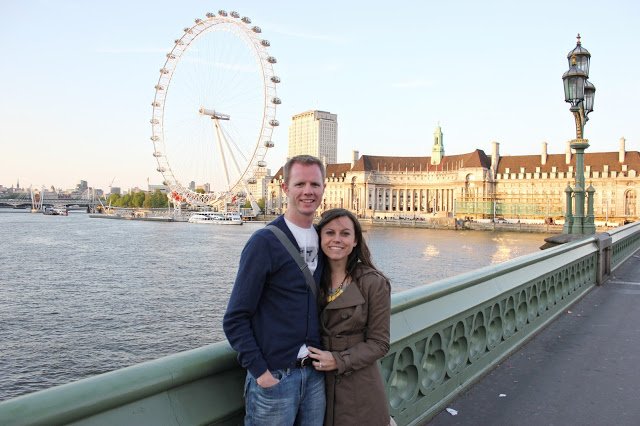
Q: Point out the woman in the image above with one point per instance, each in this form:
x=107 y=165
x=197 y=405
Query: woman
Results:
x=355 y=304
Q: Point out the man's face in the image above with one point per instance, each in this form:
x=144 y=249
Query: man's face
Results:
x=304 y=189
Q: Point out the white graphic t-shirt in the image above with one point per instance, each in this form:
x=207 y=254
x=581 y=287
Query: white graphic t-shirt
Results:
x=307 y=239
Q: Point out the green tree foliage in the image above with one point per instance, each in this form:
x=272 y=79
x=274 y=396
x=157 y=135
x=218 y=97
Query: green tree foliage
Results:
x=139 y=199
x=113 y=199
x=158 y=200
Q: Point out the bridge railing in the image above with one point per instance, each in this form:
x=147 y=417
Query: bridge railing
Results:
x=624 y=242
x=448 y=334
x=445 y=335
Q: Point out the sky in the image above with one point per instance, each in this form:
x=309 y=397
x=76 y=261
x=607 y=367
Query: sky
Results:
x=77 y=78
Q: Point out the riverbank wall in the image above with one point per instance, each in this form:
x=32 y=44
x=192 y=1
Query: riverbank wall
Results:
x=451 y=223
x=459 y=224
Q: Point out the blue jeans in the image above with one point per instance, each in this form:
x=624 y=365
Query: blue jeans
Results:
x=298 y=399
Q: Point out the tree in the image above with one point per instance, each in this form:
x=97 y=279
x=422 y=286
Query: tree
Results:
x=113 y=199
x=158 y=199
x=124 y=201
x=148 y=200
x=137 y=199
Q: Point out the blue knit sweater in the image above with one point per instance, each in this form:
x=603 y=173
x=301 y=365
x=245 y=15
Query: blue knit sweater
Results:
x=271 y=311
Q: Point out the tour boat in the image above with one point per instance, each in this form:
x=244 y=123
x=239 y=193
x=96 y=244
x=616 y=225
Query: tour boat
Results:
x=216 y=218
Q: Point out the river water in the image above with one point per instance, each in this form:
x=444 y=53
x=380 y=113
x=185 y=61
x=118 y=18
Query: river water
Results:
x=81 y=296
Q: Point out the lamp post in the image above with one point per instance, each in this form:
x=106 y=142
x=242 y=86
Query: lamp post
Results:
x=579 y=92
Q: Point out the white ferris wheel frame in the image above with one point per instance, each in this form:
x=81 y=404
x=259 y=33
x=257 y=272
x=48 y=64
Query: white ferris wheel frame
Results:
x=178 y=191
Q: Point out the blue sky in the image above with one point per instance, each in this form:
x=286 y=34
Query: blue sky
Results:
x=77 y=78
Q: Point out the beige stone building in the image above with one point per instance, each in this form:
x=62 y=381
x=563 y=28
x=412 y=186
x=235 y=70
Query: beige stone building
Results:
x=314 y=133
x=477 y=185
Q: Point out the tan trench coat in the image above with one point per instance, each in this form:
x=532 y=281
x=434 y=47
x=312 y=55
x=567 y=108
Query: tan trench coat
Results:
x=355 y=328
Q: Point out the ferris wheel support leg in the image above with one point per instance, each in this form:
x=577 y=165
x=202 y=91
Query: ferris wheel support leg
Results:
x=233 y=157
x=221 y=148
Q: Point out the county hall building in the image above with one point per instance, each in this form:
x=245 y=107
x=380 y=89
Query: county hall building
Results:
x=476 y=185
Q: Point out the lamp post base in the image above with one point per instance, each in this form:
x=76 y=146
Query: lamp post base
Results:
x=560 y=239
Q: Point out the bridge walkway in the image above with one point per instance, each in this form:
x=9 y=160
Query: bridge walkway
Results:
x=592 y=378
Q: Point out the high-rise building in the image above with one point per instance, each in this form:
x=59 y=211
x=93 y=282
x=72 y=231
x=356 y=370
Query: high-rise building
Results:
x=82 y=186
x=314 y=133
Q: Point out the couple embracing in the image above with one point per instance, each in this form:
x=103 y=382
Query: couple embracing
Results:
x=309 y=314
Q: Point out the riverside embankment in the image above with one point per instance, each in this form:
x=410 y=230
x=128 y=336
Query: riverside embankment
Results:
x=451 y=223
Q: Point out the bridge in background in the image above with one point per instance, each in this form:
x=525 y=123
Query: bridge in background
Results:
x=445 y=337
x=38 y=200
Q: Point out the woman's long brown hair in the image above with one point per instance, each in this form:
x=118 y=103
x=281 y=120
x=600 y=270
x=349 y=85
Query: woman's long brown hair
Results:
x=359 y=254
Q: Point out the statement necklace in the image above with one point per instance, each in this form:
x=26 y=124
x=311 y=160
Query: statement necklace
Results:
x=333 y=294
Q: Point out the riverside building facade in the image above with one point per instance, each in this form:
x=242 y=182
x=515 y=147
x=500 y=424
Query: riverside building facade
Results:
x=530 y=188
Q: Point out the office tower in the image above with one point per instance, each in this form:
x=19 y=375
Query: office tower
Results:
x=314 y=133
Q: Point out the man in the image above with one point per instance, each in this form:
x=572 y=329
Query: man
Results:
x=272 y=314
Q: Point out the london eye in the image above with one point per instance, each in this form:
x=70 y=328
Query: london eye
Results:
x=214 y=111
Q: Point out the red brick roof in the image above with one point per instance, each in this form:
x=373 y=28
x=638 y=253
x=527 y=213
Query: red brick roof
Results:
x=597 y=161
x=475 y=158
x=338 y=169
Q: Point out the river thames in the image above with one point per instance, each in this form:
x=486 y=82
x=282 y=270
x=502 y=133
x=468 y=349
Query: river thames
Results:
x=82 y=296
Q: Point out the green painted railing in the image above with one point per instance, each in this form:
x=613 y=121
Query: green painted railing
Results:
x=447 y=334
x=444 y=337
x=625 y=240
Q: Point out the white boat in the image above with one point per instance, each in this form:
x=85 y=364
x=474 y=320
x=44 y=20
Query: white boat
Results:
x=216 y=218
x=56 y=211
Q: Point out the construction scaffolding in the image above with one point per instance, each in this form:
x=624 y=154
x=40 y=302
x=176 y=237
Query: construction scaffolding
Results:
x=508 y=207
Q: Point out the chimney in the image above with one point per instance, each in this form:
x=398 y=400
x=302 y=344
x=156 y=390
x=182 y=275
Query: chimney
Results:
x=355 y=156
x=495 y=156
x=621 y=153
x=567 y=153
x=543 y=157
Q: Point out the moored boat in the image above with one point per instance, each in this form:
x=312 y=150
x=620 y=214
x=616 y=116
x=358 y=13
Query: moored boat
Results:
x=216 y=218
x=56 y=211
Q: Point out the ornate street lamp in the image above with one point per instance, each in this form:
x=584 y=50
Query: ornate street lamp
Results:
x=579 y=92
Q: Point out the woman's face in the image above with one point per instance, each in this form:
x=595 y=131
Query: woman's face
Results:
x=338 y=238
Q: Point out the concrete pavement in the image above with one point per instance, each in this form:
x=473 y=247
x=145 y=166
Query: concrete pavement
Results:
x=582 y=369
